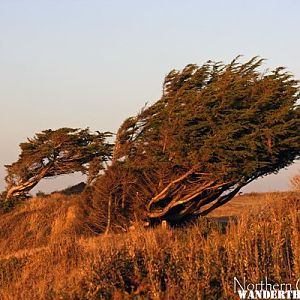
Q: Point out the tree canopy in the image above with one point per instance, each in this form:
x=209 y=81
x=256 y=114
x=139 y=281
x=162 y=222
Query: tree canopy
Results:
x=215 y=129
x=56 y=152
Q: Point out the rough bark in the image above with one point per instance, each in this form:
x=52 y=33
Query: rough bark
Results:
x=190 y=194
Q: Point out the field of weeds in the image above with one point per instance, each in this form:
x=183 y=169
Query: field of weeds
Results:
x=48 y=253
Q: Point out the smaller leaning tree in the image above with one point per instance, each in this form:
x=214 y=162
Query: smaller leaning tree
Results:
x=57 y=152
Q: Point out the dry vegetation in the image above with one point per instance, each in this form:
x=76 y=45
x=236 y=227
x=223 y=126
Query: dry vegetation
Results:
x=47 y=252
x=296 y=183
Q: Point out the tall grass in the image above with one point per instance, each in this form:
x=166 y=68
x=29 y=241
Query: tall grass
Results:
x=195 y=262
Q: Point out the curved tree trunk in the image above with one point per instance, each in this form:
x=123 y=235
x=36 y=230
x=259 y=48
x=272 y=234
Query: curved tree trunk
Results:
x=26 y=186
x=191 y=194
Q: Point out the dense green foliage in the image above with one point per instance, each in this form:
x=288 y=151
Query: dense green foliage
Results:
x=215 y=129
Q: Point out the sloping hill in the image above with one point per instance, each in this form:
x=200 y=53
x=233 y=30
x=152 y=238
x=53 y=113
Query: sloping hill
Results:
x=48 y=252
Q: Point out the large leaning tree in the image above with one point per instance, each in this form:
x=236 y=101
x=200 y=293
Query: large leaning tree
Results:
x=215 y=129
x=57 y=152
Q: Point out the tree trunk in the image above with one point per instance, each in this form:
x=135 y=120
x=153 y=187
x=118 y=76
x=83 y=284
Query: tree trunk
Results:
x=108 y=215
x=24 y=187
x=190 y=194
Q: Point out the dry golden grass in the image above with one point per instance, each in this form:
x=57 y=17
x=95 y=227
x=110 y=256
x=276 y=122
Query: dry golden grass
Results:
x=295 y=182
x=47 y=252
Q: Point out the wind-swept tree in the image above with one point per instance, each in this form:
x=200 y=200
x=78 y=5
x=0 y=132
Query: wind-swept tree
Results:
x=57 y=152
x=215 y=129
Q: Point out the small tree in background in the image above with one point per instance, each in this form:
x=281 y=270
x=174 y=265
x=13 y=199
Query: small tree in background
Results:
x=57 y=152
x=215 y=129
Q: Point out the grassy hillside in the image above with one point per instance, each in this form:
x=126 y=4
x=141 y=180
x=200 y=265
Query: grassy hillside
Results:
x=48 y=252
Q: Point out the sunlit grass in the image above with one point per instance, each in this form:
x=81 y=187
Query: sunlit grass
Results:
x=48 y=253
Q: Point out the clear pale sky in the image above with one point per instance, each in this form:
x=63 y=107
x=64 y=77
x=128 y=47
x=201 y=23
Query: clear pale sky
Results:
x=94 y=63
